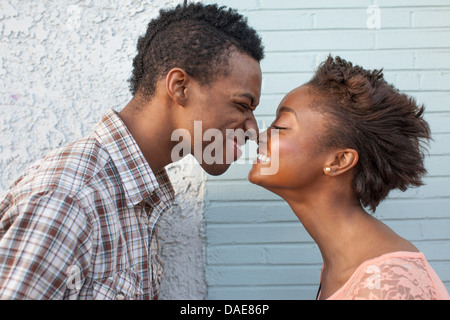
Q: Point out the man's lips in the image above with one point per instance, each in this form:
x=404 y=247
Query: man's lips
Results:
x=237 y=145
x=237 y=148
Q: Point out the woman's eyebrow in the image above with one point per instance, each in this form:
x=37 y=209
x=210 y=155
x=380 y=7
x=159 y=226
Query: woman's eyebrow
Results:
x=287 y=109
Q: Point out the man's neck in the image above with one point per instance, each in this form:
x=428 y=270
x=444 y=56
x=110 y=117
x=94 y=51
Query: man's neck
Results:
x=149 y=126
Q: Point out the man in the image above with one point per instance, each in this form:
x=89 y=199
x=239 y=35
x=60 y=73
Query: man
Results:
x=81 y=223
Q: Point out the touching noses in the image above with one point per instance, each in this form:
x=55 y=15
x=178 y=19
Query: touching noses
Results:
x=262 y=138
x=251 y=127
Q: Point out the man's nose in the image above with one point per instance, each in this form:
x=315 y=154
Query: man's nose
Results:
x=251 y=127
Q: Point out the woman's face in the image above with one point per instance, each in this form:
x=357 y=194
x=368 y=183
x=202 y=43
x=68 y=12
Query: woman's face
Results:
x=292 y=144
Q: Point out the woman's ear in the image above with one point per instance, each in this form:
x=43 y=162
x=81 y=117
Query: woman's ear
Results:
x=176 y=85
x=343 y=161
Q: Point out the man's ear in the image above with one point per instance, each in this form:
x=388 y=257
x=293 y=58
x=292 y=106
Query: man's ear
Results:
x=343 y=161
x=176 y=85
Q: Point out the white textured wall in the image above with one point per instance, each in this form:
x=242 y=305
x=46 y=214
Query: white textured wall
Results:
x=181 y=234
x=62 y=65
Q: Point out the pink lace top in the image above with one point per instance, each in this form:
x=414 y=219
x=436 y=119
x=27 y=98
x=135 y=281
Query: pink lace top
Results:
x=393 y=276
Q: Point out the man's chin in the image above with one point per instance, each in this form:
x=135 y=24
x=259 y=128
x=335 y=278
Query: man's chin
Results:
x=215 y=169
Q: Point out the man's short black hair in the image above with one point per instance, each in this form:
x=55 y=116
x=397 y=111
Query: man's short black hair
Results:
x=195 y=37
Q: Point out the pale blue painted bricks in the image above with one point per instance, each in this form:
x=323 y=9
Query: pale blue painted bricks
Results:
x=255 y=246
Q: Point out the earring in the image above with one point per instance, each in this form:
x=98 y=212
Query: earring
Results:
x=327 y=170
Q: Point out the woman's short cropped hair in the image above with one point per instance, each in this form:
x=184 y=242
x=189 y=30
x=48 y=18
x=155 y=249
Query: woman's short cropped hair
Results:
x=371 y=116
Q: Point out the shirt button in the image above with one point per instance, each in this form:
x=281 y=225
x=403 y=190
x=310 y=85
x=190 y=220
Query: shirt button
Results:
x=120 y=296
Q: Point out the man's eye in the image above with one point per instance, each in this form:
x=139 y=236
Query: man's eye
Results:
x=244 y=106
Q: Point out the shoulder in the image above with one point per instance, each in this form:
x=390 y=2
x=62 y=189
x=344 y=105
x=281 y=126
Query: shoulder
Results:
x=63 y=170
x=394 y=276
x=51 y=209
x=52 y=192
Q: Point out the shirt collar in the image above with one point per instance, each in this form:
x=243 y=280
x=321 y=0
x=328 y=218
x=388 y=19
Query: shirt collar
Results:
x=138 y=179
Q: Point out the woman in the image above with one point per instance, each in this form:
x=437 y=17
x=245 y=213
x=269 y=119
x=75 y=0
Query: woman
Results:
x=342 y=142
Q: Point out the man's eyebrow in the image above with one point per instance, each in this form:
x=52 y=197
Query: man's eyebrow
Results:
x=287 y=109
x=247 y=95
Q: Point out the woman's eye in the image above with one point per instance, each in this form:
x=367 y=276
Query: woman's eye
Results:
x=278 y=127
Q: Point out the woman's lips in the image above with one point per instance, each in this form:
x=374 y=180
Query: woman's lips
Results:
x=263 y=158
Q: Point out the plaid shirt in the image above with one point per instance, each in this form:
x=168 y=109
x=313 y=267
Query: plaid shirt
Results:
x=81 y=223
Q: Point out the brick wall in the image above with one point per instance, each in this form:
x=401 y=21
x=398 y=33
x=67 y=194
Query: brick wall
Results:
x=255 y=246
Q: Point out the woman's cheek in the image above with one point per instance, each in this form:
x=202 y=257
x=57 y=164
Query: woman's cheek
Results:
x=283 y=156
x=281 y=167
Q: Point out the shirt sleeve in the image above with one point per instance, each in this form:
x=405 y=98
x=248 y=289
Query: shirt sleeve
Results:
x=44 y=247
x=399 y=279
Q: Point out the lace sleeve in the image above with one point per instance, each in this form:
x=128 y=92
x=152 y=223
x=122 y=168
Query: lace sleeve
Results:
x=392 y=279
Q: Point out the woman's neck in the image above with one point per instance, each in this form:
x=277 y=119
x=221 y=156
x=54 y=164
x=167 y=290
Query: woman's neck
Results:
x=345 y=233
x=335 y=227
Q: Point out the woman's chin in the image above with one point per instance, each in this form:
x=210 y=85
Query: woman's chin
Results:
x=256 y=177
x=252 y=177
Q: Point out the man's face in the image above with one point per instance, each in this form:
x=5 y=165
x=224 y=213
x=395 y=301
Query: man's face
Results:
x=222 y=113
